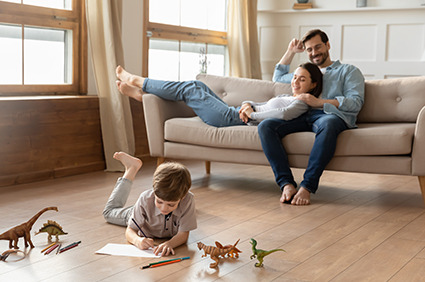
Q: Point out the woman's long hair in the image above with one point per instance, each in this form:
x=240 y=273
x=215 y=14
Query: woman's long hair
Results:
x=316 y=76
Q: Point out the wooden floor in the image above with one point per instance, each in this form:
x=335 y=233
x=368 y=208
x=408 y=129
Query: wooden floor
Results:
x=359 y=227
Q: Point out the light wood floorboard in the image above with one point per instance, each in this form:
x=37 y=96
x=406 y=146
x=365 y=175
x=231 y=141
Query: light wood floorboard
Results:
x=360 y=227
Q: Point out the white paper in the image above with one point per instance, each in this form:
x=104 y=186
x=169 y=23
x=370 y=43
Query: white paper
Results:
x=126 y=250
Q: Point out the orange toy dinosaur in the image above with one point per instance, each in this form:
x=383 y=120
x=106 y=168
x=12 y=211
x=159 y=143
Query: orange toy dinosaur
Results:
x=23 y=230
x=233 y=253
x=216 y=252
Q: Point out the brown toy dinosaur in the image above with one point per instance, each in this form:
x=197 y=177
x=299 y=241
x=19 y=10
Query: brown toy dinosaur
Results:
x=216 y=252
x=23 y=230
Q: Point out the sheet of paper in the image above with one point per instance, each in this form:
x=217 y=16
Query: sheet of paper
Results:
x=126 y=250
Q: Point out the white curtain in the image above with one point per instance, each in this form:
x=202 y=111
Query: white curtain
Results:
x=104 y=28
x=242 y=37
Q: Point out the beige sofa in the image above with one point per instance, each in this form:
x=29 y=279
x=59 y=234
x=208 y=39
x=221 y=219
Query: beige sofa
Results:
x=390 y=138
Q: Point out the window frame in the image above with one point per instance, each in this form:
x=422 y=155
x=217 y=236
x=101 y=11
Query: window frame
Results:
x=34 y=16
x=174 y=32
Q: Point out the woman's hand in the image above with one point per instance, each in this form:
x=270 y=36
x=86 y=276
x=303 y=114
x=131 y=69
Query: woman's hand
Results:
x=245 y=112
x=164 y=248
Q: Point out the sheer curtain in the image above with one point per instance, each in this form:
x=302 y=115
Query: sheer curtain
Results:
x=242 y=37
x=104 y=29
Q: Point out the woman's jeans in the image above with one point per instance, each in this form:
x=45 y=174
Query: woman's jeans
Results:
x=327 y=128
x=204 y=102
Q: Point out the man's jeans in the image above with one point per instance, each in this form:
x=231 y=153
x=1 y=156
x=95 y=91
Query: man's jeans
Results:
x=327 y=128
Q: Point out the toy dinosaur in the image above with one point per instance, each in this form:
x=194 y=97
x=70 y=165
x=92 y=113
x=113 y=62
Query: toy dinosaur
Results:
x=260 y=254
x=23 y=230
x=233 y=253
x=52 y=228
x=216 y=252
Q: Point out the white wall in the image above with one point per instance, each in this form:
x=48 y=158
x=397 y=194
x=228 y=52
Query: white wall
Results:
x=386 y=40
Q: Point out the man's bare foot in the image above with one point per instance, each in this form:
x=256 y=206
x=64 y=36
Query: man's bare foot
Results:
x=302 y=197
x=130 y=79
x=288 y=192
x=130 y=91
x=131 y=164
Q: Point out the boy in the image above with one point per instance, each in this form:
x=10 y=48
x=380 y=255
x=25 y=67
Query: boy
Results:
x=167 y=210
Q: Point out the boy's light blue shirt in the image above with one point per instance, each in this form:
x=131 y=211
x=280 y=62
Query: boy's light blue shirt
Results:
x=342 y=82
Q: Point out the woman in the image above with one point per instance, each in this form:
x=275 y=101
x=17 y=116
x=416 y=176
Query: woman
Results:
x=212 y=110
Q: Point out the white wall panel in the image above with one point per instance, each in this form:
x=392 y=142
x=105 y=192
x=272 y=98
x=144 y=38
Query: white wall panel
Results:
x=382 y=40
x=405 y=42
x=359 y=50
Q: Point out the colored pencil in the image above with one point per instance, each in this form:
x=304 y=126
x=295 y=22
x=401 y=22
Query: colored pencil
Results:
x=47 y=247
x=60 y=245
x=159 y=263
x=139 y=228
x=51 y=249
x=69 y=247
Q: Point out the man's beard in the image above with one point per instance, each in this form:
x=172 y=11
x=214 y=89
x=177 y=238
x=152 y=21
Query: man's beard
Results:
x=324 y=56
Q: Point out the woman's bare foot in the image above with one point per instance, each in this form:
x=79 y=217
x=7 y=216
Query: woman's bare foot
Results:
x=131 y=164
x=302 y=197
x=130 y=91
x=288 y=192
x=130 y=79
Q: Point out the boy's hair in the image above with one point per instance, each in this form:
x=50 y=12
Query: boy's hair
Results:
x=171 y=181
x=312 y=33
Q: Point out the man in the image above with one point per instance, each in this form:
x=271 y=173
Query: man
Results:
x=336 y=110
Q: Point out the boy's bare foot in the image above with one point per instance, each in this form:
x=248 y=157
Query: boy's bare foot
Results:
x=130 y=91
x=130 y=79
x=302 y=197
x=288 y=192
x=131 y=164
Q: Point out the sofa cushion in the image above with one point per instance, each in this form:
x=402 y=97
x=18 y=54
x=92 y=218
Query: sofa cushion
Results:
x=366 y=140
x=229 y=88
x=393 y=100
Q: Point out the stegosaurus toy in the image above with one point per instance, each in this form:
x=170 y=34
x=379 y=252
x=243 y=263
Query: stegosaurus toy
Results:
x=53 y=229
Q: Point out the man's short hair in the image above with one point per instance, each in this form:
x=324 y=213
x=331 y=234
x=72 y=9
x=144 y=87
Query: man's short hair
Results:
x=171 y=181
x=312 y=33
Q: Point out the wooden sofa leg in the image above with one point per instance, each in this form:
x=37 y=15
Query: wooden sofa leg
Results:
x=159 y=161
x=208 y=167
x=422 y=185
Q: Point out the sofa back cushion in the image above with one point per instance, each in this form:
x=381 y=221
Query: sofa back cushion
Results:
x=386 y=100
x=234 y=91
x=393 y=100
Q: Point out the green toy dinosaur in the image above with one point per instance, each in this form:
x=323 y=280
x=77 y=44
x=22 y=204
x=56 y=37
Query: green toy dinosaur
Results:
x=260 y=254
x=53 y=229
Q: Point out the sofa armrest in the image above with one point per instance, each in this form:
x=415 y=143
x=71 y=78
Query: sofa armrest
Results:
x=418 y=152
x=157 y=111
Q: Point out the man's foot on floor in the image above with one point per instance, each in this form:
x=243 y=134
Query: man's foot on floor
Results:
x=302 y=197
x=287 y=194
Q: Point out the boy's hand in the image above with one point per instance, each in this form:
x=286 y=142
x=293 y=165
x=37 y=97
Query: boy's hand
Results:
x=144 y=243
x=163 y=248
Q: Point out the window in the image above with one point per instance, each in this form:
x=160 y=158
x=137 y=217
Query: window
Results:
x=185 y=38
x=42 y=47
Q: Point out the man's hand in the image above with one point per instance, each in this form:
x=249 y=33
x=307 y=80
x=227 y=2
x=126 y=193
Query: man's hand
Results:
x=316 y=102
x=296 y=46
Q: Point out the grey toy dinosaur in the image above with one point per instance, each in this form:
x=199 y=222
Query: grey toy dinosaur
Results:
x=260 y=254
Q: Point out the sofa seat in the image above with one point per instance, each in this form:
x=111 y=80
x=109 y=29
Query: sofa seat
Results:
x=369 y=139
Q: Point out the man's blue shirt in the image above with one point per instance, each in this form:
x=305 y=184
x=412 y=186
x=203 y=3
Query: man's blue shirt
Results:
x=342 y=82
